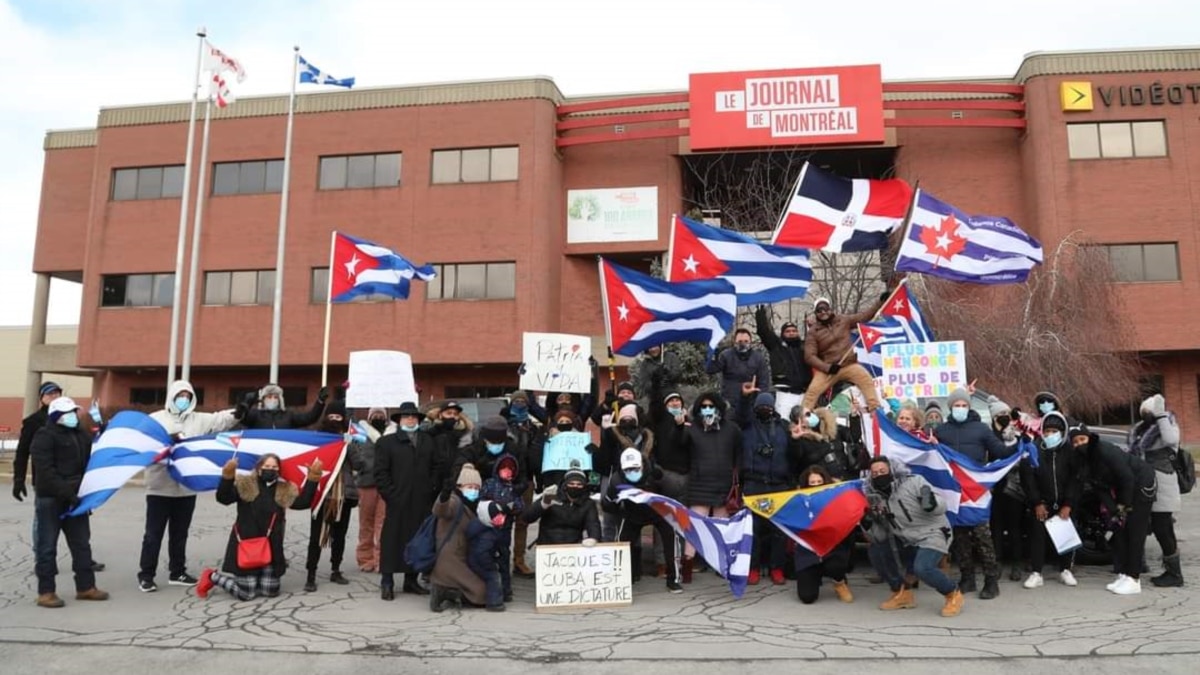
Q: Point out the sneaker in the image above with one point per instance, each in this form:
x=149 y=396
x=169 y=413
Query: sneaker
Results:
x=205 y=584
x=1035 y=580
x=753 y=577
x=1068 y=578
x=182 y=579
x=777 y=577
x=674 y=587
x=1116 y=582
x=147 y=586
x=1128 y=586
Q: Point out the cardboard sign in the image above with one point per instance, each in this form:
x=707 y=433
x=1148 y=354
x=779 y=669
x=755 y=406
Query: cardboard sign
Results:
x=557 y=362
x=565 y=449
x=924 y=369
x=380 y=378
x=576 y=577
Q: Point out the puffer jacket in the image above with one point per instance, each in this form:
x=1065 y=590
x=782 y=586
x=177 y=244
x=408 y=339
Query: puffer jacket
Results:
x=908 y=521
x=713 y=453
x=826 y=344
x=564 y=521
x=1056 y=481
x=1131 y=478
x=183 y=425
x=769 y=453
x=788 y=369
x=736 y=369
x=973 y=439
x=60 y=456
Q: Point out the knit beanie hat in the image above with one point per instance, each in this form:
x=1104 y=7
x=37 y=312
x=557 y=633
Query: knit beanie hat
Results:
x=958 y=395
x=381 y=411
x=933 y=405
x=469 y=475
x=997 y=407
x=628 y=411
x=625 y=386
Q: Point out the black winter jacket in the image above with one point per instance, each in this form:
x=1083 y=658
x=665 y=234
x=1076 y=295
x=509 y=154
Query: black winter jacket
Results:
x=1131 y=478
x=60 y=456
x=713 y=455
x=973 y=438
x=29 y=426
x=788 y=369
x=283 y=418
x=1056 y=481
x=564 y=522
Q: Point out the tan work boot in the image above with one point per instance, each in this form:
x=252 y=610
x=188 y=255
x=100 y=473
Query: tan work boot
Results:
x=842 y=590
x=954 y=603
x=92 y=593
x=901 y=599
x=49 y=600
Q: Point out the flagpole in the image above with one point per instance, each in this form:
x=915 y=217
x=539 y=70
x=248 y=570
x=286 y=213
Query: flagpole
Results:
x=671 y=248
x=172 y=351
x=277 y=317
x=197 y=224
x=792 y=194
x=604 y=302
x=328 y=311
x=908 y=218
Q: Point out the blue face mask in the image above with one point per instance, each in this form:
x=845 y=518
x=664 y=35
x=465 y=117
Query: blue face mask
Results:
x=708 y=411
x=495 y=448
x=408 y=427
x=675 y=412
x=470 y=494
x=633 y=476
x=1052 y=440
x=813 y=420
x=1046 y=407
x=69 y=420
x=959 y=414
x=182 y=403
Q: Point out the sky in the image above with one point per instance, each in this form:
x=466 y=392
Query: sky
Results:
x=69 y=58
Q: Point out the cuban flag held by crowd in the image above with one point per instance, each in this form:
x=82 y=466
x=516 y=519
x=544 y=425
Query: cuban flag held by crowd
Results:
x=363 y=268
x=641 y=312
x=945 y=242
x=131 y=442
x=842 y=215
x=723 y=543
x=965 y=485
x=816 y=518
x=760 y=273
x=900 y=321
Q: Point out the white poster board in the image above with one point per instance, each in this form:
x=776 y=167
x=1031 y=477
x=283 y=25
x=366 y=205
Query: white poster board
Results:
x=924 y=369
x=567 y=448
x=608 y=215
x=576 y=577
x=380 y=378
x=556 y=362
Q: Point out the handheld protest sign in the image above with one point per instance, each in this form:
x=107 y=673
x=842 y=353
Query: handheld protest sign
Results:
x=574 y=576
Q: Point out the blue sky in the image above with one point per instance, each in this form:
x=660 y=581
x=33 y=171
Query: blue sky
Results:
x=74 y=56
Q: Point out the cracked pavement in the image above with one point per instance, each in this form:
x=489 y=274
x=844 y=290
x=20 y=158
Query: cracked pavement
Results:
x=704 y=624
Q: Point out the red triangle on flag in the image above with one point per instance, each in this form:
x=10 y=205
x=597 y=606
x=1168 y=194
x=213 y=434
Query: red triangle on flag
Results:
x=869 y=336
x=348 y=263
x=625 y=314
x=898 y=305
x=690 y=258
x=971 y=490
x=294 y=469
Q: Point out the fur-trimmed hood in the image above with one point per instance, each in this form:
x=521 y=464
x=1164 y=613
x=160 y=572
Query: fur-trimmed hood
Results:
x=826 y=431
x=248 y=490
x=647 y=435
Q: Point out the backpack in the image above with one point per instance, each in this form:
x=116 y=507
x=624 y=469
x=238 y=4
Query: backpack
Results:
x=422 y=551
x=1185 y=470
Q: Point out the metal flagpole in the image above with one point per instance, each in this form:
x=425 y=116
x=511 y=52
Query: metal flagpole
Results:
x=277 y=318
x=172 y=353
x=328 y=311
x=197 y=224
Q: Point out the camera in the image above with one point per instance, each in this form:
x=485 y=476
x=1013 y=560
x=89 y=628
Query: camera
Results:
x=765 y=450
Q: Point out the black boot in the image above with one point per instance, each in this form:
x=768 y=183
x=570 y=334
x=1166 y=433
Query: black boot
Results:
x=310 y=584
x=990 y=588
x=412 y=587
x=1173 y=576
x=387 y=587
x=436 y=597
x=966 y=583
x=337 y=578
x=1014 y=574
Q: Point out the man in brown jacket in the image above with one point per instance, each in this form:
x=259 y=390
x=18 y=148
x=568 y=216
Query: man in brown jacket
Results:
x=830 y=352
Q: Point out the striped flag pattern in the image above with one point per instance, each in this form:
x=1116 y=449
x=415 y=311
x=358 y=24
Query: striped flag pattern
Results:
x=842 y=215
x=131 y=442
x=760 y=273
x=900 y=321
x=816 y=518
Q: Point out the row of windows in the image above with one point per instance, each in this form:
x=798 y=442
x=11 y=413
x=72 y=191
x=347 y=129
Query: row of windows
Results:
x=339 y=172
x=294 y=397
x=1144 y=262
x=1095 y=140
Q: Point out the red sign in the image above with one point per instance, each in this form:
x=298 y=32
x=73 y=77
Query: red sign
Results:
x=809 y=106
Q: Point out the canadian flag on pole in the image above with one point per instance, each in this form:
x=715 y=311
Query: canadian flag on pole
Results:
x=217 y=63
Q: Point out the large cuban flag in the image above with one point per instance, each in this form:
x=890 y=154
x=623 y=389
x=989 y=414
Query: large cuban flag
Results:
x=131 y=442
x=364 y=268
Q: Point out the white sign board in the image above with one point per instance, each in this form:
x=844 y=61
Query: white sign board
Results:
x=380 y=378
x=557 y=362
x=608 y=215
x=924 y=369
x=567 y=449
x=576 y=577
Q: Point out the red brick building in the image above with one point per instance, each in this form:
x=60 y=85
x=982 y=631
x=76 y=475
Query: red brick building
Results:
x=474 y=177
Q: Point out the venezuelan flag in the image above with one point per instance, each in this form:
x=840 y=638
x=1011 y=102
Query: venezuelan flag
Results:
x=816 y=518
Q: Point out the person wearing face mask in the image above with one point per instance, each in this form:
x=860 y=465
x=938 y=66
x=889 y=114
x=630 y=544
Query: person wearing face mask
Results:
x=790 y=375
x=767 y=464
x=361 y=455
x=656 y=368
x=566 y=513
x=1046 y=402
x=1010 y=517
x=506 y=488
x=543 y=474
x=332 y=521
x=607 y=414
x=451 y=429
x=966 y=434
x=262 y=499
x=830 y=352
x=713 y=445
x=738 y=365
x=493 y=443
x=637 y=471
x=1052 y=488
x=933 y=417
x=819 y=443
x=628 y=432
x=266 y=409
x=408 y=472
x=1155 y=438
x=486 y=534
x=669 y=419
x=60 y=452
x=527 y=428
x=169 y=505
x=452 y=579
x=810 y=568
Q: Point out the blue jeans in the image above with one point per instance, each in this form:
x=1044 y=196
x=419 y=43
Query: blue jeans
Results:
x=923 y=562
x=78 y=533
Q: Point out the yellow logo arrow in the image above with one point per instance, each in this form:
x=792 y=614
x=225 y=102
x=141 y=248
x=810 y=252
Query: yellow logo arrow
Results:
x=1076 y=96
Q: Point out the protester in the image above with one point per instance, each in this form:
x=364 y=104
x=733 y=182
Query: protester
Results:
x=331 y=522
x=408 y=471
x=667 y=413
x=714 y=447
x=60 y=452
x=566 y=513
x=506 y=488
x=1155 y=439
x=607 y=414
x=820 y=443
x=790 y=374
x=266 y=409
x=1052 y=486
x=485 y=533
x=768 y=463
x=492 y=444
x=656 y=368
x=371 y=509
x=1009 y=517
x=830 y=352
x=451 y=429
x=811 y=568
x=933 y=417
x=262 y=500
x=910 y=419
x=636 y=471
x=628 y=432
x=452 y=579
x=738 y=365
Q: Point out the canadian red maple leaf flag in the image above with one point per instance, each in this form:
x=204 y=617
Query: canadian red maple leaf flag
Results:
x=942 y=241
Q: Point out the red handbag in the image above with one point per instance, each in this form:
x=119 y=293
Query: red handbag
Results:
x=254 y=553
x=733 y=500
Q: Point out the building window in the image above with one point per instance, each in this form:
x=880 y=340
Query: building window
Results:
x=137 y=290
x=476 y=165
x=1144 y=262
x=359 y=171
x=1094 y=140
x=247 y=287
x=157 y=396
x=320 y=289
x=148 y=182
x=247 y=178
x=293 y=397
x=473 y=281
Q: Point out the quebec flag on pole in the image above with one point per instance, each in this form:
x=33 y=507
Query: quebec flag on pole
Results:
x=131 y=442
x=942 y=241
x=362 y=268
x=310 y=74
x=760 y=273
x=641 y=312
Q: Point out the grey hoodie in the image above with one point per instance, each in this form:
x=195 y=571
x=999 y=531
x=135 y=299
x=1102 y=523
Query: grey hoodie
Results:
x=184 y=424
x=913 y=525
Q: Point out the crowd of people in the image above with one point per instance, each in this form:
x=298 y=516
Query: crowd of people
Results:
x=473 y=488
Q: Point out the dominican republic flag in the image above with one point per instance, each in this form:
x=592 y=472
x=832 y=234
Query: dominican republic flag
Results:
x=131 y=442
x=196 y=463
x=900 y=321
x=724 y=543
x=310 y=74
x=965 y=485
x=760 y=273
x=363 y=268
x=816 y=518
x=945 y=242
x=842 y=215
x=641 y=312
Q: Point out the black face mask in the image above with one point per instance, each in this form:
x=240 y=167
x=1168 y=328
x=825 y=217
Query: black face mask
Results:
x=628 y=427
x=791 y=342
x=565 y=426
x=882 y=483
x=576 y=492
x=765 y=414
x=380 y=425
x=449 y=424
x=268 y=475
x=1003 y=421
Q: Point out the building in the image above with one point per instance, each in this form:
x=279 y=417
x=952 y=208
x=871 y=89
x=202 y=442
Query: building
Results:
x=57 y=345
x=481 y=179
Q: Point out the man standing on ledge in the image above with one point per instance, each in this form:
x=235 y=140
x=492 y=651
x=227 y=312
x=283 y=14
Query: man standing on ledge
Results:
x=830 y=352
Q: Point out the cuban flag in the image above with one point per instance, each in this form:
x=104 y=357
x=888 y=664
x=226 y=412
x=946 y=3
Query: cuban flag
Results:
x=900 y=321
x=816 y=518
x=363 y=268
x=641 y=312
x=131 y=442
x=196 y=463
x=965 y=485
x=310 y=74
x=842 y=215
x=723 y=543
x=760 y=273
x=943 y=241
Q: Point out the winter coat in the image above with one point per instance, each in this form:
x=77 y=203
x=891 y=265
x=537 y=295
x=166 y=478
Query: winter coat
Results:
x=484 y=461
x=361 y=455
x=283 y=418
x=629 y=514
x=825 y=447
x=713 y=454
x=407 y=477
x=1056 y=481
x=564 y=521
x=789 y=371
x=451 y=570
x=973 y=439
x=828 y=343
x=1130 y=478
x=182 y=425
x=613 y=442
x=29 y=427
x=449 y=442
x=668 y=453
x=257 y=503
x=1156 y=442
x=503 y=492
x=483 y=540
x=769 y=453
x=662 y=373
x=736 y=369
x=526 y=435
x=60 y=456
x=909 y=521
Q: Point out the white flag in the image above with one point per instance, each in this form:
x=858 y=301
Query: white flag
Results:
x=217 y=61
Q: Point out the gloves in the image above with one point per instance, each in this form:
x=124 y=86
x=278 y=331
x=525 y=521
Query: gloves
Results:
x=834 y=367
x=588 y=543
x=884 y=296
x=591 y=448
x=19 y=491
x=549 y=495
x=609 y=399
x=239 y=413
x=229 y=471
x=339 y=393
x=323 y=395
x=250 y=399
x=521 y=369
x=928 y=500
